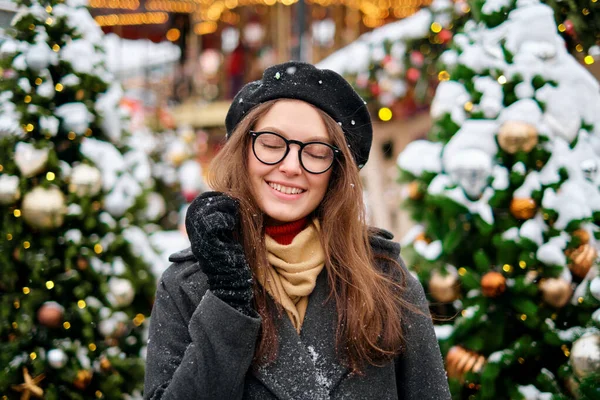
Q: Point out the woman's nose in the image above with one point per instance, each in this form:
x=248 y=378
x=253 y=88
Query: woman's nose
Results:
x=291 y=163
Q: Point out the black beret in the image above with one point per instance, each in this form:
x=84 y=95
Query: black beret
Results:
x=322 y=88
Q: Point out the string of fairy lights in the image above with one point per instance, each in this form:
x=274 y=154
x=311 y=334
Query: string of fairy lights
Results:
x=208 y=13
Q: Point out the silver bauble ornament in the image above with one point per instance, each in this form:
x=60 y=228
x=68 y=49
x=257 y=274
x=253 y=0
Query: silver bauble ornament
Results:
x=44 y=208
x=121 y=292
x=85 y=180
x=471 y=169
x=9 y=189
x=57 y=358
x=585 y=355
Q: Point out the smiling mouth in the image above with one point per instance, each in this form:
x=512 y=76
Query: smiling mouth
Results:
x=285 y=189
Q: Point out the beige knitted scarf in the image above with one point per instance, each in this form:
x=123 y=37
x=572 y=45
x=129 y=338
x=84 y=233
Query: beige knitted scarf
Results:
x=292 y=274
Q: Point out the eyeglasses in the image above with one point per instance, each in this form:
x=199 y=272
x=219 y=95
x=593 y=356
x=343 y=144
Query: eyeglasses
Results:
x=271 y=148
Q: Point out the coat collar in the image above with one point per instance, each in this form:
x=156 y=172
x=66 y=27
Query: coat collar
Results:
x=307 y=365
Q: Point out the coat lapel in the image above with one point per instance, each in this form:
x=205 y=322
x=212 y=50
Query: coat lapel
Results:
x=318 y=335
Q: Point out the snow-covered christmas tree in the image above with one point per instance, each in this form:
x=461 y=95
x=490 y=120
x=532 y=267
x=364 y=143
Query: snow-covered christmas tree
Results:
x=76 y=284
x=507 y=197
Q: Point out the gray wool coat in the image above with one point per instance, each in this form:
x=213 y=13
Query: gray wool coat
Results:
x=199 y=347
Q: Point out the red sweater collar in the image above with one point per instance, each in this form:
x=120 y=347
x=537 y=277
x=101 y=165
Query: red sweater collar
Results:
x=284 y=234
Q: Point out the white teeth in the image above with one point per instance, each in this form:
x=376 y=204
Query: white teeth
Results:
x=285 y=189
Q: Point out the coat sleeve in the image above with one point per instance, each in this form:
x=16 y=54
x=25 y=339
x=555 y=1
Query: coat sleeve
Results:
x=420 y=373
x=206 y=357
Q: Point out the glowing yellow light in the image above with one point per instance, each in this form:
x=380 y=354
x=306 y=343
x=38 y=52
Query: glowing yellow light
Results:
x=49 y=9
x=385 y=114
x=1 y=168
x=502 y=79
x=29 y=127
x=554 y=316
x=443 y=76
x=204 y=28
x=98 y=248
x=92 y=347
x=462 y=271
x=9 y=236
x=15 y=325
x=56 y=48
x=139 y=319
x=99 y=394
x=26 y=244
x=49 y=285
x=585 y=11
x=436 y=27
x=66 y=325
x=521 y=360
x=38 y=81
x=50 y=176
x=32 y=355
x=59 y=87
x=579 y=48
x=88 y=132
x=562 y=27
x=31 y=27
x=173 y=34
x=522 y=264
x=580 y=300
x=49 y=21
x=81 y=304
x=468 y=106
x=507 y=268
x=17 y=304
x=523 y=317
x=17 y=213
x=589 y=60
x=71 y=135
x=27 y=99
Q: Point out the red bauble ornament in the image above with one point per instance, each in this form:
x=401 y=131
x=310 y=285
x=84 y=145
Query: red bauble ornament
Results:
x=413 y=74
x=50 y=314
x=375 y=89
x=445 y=35
x=569 y=27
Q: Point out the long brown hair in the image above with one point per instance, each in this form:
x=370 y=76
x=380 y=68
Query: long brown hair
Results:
x=368 y=301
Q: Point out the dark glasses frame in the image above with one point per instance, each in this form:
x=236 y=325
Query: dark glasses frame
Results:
x=301 y=145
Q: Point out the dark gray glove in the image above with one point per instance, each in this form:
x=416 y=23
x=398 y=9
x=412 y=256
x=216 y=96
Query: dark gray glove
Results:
x=211 y=221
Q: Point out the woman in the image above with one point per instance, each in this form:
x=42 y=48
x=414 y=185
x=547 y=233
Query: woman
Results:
x=285 y=292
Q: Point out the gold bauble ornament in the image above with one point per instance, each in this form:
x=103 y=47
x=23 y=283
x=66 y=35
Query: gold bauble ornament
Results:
x=414 y=192
x=44 y=208
x=83 y=379
x=582 y=259
x=105 y=364
x=523 y=208
x=493 y=284
x=582 y=235
x=50 y=314
x=585 y=355
x=444 y=288
x=556 y=291
x=515 y=136
x=459 y=361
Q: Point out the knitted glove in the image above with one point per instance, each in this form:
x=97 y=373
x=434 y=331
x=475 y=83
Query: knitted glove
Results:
x=211 y=221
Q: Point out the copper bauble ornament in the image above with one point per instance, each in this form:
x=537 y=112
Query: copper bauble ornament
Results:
x=105 y=364
x=585 y=355
x=83 y=379
x=414 y=192
x=444 y=288
x=515 y=136
x=50 y=314
x=582 y=259
x=459 y=361
x=582 y=235
x=523 y=208
x=44 y=208
x=493 y=284
x=556 y=291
